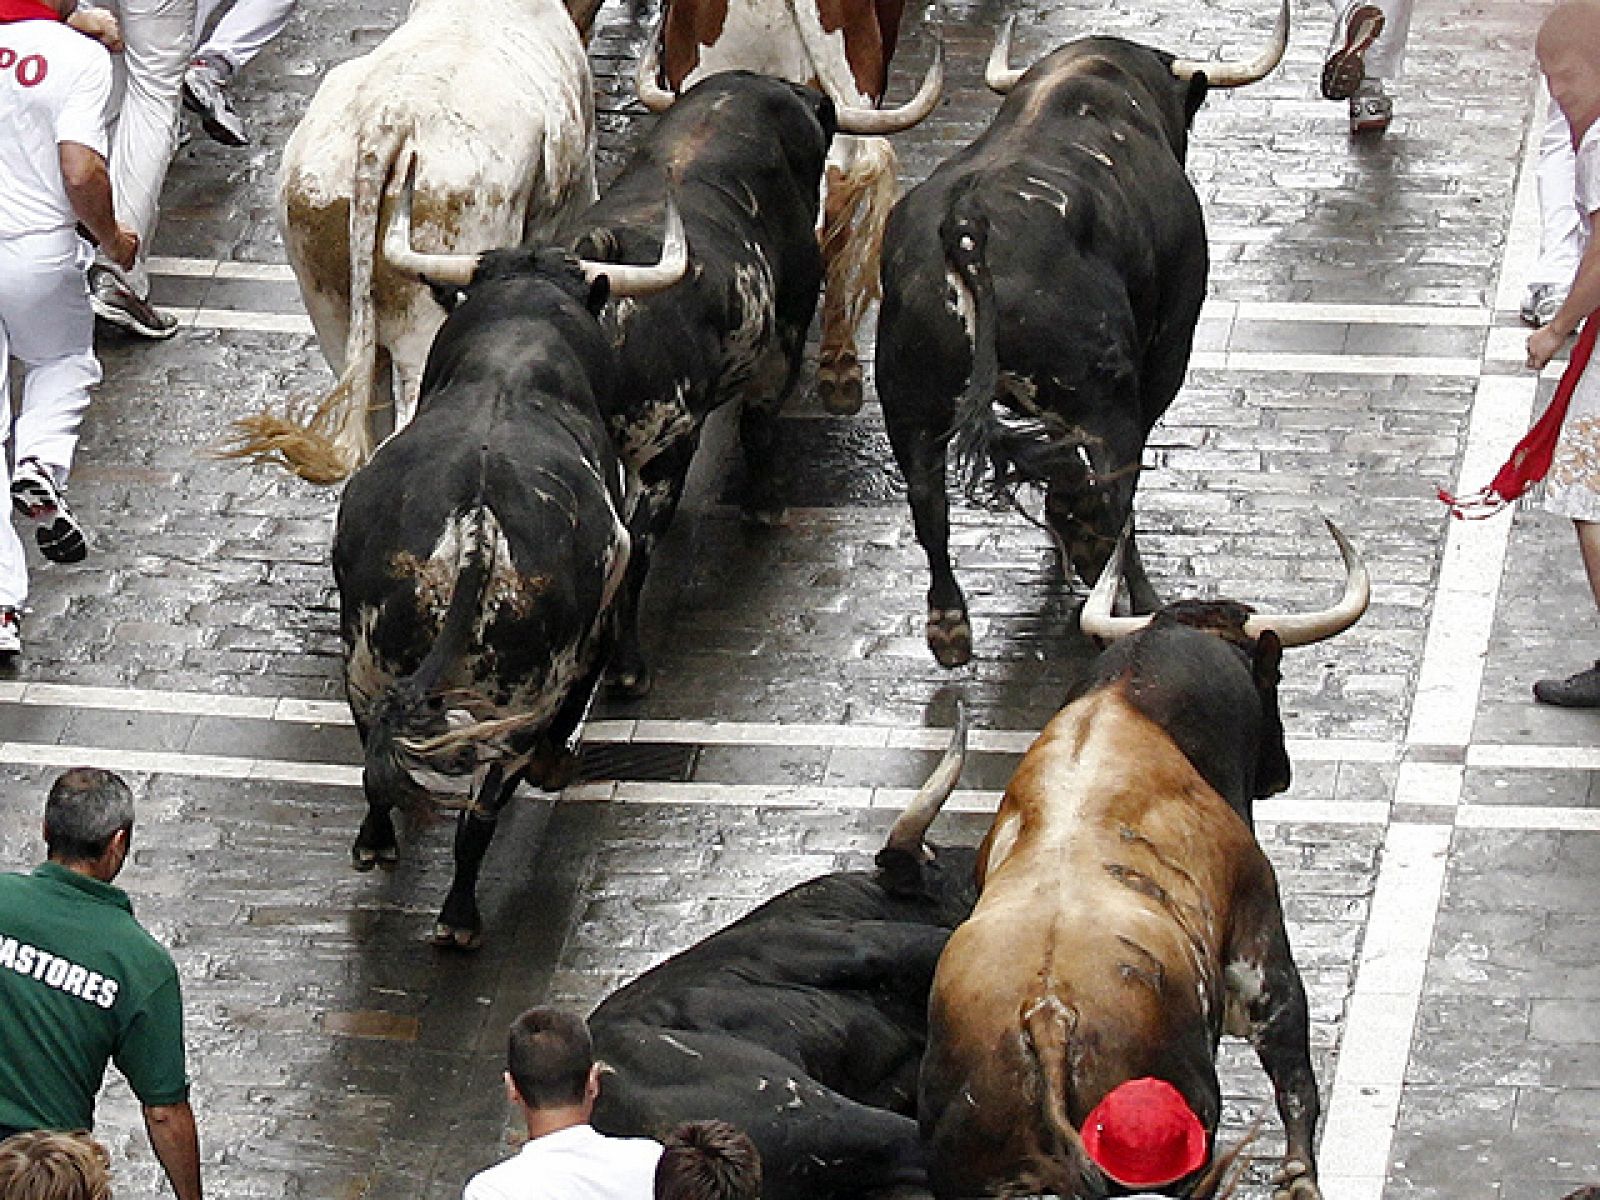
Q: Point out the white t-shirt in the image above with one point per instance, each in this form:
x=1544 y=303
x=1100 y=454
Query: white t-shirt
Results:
x=576 y=1163
x=55 y=86
x=1586 y=176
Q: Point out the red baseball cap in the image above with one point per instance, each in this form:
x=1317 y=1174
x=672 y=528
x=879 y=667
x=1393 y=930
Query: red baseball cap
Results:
x=1144 y=1134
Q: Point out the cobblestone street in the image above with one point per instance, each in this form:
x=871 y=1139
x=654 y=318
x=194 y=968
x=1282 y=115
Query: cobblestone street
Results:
x=1439 y=852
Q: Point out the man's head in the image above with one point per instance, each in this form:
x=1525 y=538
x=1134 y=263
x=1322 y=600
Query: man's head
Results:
x=708 y=1160
x=550 y=1062
x=42 y=1165
x=1568 y=49
x=88 y=820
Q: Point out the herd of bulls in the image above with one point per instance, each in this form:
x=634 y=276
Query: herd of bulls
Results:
x=524 y=370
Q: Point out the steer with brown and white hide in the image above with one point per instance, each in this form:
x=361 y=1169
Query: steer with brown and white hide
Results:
x=478 y=553
x=1127 y=917
x=496 y=106
x=843 y=49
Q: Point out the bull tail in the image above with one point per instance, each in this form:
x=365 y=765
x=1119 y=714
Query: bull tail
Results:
x=324 y=443
x=411 y=712
x=861 y=193
x=964 y=235
x=1047 y=1029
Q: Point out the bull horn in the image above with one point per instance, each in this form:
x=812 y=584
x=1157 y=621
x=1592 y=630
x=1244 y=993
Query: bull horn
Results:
x=1301 y=629
x=911 y=827
x=1095 y=617
x=999 y=74
x=1231 y=75
x=455 y=269
x=647 y=80
x=628 y=280
x=870 y=122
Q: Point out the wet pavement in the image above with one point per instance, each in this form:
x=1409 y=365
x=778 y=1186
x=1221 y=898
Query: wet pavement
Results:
x=1438 y=852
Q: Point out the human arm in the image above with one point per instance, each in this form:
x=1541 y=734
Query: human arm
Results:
x=88 y=185
x=177 y=1144
x=99 y=24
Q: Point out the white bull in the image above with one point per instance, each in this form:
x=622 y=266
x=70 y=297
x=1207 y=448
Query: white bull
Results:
x=498 y=108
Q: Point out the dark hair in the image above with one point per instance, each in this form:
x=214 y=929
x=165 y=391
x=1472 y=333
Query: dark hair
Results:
x=86 y=809
x=708 y=1160
x=549 y=1056
x=44 y=1165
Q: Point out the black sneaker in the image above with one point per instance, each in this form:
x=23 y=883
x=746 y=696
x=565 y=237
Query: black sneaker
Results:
x=205 y=93
x=1576 y=691
x=10 y=632
x=35 y=495
x=114 y=301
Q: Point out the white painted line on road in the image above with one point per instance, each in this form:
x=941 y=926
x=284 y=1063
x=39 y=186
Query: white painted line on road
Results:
x=1439 y=315
x=1527 y=817
x=250 y=322
x=1335 y=364
x=1462 y=619
x=219 y=268
x=1558 y=758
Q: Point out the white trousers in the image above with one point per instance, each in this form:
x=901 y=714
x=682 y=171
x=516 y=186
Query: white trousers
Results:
x=1561 y=238
x=159 y=35
x=47 y=325
x=244 y=29
x=1385 y=59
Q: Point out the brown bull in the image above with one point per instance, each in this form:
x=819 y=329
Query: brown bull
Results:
x=1127 y=918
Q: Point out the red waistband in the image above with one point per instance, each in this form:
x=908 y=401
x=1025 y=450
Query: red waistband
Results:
x=26 y=10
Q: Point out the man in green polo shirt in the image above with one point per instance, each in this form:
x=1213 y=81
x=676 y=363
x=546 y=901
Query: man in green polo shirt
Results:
x=82 y=983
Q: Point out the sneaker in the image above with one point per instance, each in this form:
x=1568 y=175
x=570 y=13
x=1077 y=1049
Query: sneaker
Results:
x=1576 y=691
x=114 y=301
x=205 y=93
x=10 y=631
x=1370 y=110
x=35 y=494
x=1347 y=66
x=1541 y=302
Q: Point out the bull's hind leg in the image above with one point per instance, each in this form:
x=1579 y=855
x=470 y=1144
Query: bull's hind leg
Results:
x=661 y=484
x=375 y=842
x=860 y=192
x=459 y=926
x=921 y=456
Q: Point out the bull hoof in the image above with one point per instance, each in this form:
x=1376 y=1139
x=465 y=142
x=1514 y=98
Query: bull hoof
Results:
x=451 y=937
x=763 y=516
x=629 y=683
x=950 y=637
x=1294 y=1181
x=840 y=389
x=364 y=858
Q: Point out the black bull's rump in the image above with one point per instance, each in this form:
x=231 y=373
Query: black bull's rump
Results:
x=1040 y=292
x=475 y=556
x=803 y=1023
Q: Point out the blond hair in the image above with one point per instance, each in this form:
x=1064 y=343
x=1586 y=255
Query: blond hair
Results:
x=44 y=1165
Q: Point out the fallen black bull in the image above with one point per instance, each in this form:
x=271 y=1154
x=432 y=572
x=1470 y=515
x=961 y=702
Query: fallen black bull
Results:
x=802 y=1023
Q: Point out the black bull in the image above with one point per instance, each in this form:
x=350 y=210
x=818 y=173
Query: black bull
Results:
x=1040 y=293
x=803 y=1023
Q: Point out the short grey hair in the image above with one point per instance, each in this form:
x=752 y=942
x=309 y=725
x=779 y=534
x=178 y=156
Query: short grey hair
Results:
x=86 y=809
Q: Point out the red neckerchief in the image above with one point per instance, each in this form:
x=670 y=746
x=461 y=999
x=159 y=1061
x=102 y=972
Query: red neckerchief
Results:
x=26 y=10
x=1530 y=461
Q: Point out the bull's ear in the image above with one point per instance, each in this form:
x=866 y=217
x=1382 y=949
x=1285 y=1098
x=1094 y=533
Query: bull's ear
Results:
x=599 y=293
x=446 y=295
x=900 y=872
x=1265 y=667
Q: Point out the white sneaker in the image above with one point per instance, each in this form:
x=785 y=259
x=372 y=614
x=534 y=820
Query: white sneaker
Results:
x=1541 y=303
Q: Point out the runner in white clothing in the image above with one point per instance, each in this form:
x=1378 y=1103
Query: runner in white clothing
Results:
x=1368 y=49
x=55 y=85
x=553 y=1079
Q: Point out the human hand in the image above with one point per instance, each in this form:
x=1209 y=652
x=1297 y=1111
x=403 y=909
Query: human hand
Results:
x=123 y=248
x=100 y=24
x=1542 y=347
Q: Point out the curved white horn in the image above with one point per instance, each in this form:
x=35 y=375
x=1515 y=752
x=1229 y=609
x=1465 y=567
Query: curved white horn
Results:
x=647 y=80
x=999 y=74
x=1301 y=629
x=1231 y=75
x=911 y=827
x=457 y=269
x=629 y=280
x=879 y=121
x=1095 y=618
